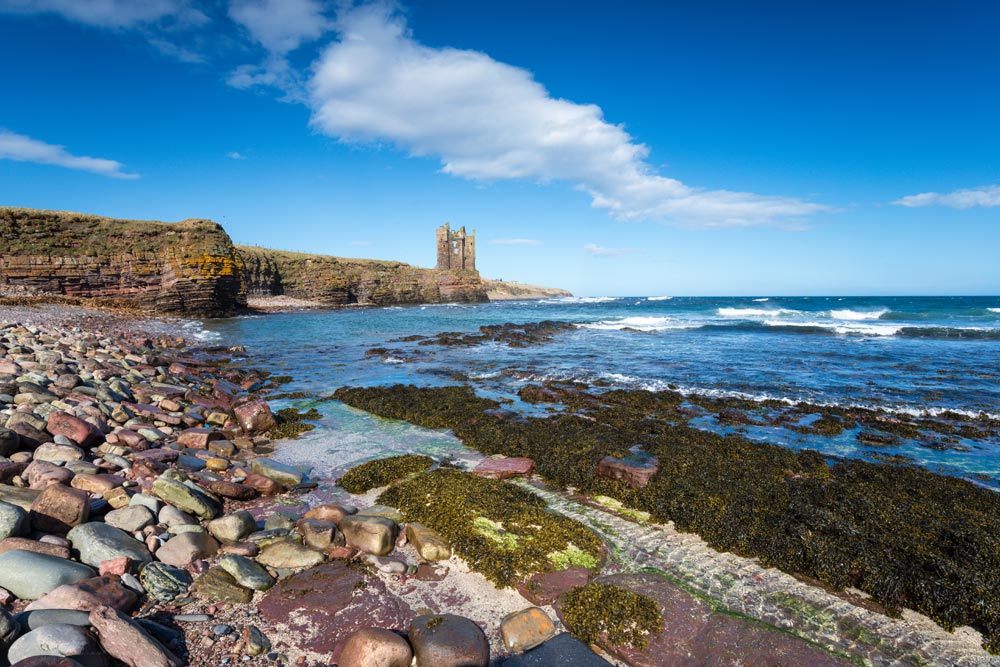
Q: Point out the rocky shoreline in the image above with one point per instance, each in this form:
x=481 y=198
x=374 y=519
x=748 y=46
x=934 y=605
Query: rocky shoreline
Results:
x=147 y=520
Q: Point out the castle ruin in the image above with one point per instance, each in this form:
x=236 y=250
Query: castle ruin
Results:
x=456 y=250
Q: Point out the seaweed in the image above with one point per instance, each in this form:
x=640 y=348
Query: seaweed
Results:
x=504 y=532
x=623 y=616
x=291 y=423
x=907 y=536
x=382 y=472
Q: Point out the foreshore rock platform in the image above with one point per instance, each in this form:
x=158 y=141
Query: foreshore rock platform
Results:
x=142 y=502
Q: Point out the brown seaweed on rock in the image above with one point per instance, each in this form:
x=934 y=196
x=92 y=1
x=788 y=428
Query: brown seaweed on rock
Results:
x=906 y=536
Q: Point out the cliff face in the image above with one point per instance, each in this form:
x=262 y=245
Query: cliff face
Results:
x=336 y=281
x=188 y=267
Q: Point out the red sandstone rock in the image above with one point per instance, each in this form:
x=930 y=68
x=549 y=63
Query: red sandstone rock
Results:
x=74 y=428
x=544 y=588
x=504 y=468
x=9 y=470
x=447 y=640
x=132 y=439
x=232 y=490
x=11 y=543
x=40 y=474
x=331 y=512
x=58 y=508
x=124 y=639
x=99 y=483
x=198 y=437
x=87 y=595
x=323 y=606
x=265 y=485
x=115 y=566
x=146 y=469
x=31 y=437
x=636 y=475
x=375 y=647
x=255 y=416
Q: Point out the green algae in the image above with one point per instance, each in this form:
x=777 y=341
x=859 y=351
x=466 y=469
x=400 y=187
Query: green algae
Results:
x=382 y=472
x=504 y=532
x=625 y=617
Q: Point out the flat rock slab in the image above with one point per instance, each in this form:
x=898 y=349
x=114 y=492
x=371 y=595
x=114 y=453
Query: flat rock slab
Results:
x=694 y=635
x=497 y=468
x=320 y=608
x=563 y=650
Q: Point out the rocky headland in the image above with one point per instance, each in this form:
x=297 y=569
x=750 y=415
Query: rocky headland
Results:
x=192 y=267
x=511 y=290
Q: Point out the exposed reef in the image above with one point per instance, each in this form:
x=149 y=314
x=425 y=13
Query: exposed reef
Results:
x=908 y=537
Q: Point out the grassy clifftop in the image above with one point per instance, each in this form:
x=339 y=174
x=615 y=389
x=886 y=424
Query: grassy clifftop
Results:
x=25 y=231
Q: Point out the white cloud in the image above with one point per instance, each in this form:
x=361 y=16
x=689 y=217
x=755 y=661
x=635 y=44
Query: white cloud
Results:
x=986 y=196
x=487 y=121
x=236 y=155
x=515 y=242
x=25 y=149
x=280 y=26
x=600 y=251
x=110 y=13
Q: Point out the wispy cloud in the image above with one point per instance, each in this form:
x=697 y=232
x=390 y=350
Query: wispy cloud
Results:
x=600 y=251
x=488 y=121
x=986 y=196
x=515 y=242
x=280 y=27
x=236 y=155
x=111 y=13
x=21 y=148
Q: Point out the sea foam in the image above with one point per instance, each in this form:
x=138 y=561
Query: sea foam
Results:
x=664 y=298
x=994 y=310
x=848 y=314
x=757 y=312
x=641 y=324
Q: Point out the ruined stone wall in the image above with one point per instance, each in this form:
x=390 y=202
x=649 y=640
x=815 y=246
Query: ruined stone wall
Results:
x=456 y=250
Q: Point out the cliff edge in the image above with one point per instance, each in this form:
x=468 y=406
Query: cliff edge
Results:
x=338 y=281
x=188 y=267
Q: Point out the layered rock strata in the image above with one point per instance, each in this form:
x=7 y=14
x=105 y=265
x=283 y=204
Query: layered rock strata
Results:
x=338 y=281
x=188 y=267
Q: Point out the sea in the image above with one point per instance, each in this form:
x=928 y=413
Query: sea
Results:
x=909 y=356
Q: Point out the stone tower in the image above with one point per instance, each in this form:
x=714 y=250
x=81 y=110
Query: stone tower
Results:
x=456 y=250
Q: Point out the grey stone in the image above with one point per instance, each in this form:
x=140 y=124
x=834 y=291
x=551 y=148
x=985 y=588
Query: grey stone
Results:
x=193 y=500
x=13 y=521
x=30 y=575
x=165 y=582
x=152 y=503
x=56 y=639
x=35 y=619
x=171 y=516
x=247 y=572
x=279 y=472
x=98 y=542
x=130 y=519
x=232 y=527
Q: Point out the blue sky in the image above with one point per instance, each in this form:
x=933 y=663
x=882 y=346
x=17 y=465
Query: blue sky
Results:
x=708 y=147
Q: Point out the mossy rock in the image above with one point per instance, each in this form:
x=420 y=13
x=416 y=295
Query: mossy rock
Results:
x=382 y=472
x=504 y=532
